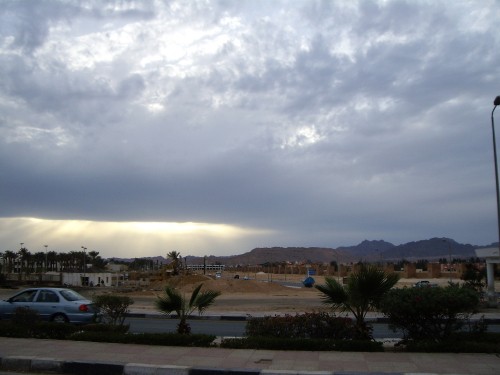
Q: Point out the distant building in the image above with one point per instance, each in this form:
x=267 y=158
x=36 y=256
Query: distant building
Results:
x=492 y=256
x=88 y=279
x=208 y=267
x=115 y=267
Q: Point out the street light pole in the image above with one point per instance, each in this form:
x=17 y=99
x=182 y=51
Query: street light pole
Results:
x=84 y=264
x=46 y=265
x=490 y=270
x=496 y=102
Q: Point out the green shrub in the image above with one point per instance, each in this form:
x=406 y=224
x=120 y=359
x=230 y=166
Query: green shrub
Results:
x=308 y=325
x=113 y=308
x=430 y=313
x=38 y=330
x=473 y=277
x=104 y=328
x=487 y=337
x=302 y=344
x=23 y=321
x=173 y=339
x=462 y=342
x=7 y=329
x=25 y=316
x=165 y=339
x=54 y=331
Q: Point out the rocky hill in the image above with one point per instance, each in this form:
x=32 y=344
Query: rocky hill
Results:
x=431 y=249
x=376 y=250
x=278 y=255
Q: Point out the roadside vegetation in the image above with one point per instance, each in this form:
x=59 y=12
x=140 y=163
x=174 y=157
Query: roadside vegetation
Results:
x=362 y=293
x=431 y=313
x=173 y=301
x=310 y=331
x=113 y=309
x=432 y=319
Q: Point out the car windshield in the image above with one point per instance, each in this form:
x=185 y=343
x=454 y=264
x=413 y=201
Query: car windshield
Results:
x=71 y=295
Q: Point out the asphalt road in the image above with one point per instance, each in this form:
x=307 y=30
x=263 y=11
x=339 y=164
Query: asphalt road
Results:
x=235 y=328
x=227 y=328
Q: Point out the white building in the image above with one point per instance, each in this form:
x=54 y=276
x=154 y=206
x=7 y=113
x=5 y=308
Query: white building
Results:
x=492 y=256
x=208 y=267
x=88 y=279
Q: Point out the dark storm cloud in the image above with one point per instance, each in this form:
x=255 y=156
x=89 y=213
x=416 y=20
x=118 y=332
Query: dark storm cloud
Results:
x=327 y=122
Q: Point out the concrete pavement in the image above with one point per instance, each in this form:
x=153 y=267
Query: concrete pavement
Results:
x=77 y=357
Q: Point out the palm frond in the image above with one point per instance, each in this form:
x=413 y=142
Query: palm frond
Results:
x=364 y=290
x=370 y=283
x=170 y=301
x=194 y=295
x=333 y=293
x=206 y=299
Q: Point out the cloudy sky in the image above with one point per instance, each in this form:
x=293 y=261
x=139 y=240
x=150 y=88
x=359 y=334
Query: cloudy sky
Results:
x=135 y=128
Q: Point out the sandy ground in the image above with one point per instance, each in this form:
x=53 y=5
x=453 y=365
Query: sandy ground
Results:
x=262 y=293
x=239 y=296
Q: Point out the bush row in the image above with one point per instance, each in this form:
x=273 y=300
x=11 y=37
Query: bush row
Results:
x=463 y=342
x=99 y=333
x=165 y=339
x=316 y=325
x=431 y=313
x=302 y=344
x=38 y=330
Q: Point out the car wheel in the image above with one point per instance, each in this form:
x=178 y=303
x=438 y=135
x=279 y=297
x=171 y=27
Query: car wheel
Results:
x=59 y=318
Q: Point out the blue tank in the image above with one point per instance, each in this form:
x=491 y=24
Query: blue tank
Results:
x=308 y=282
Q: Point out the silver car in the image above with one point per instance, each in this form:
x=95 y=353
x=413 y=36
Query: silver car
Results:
x=53 y=304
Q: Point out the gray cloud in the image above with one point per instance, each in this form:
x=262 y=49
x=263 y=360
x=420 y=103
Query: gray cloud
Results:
x=326 y=123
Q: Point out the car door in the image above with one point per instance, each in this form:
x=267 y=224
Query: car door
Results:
x=46 y=303
x=22 y=299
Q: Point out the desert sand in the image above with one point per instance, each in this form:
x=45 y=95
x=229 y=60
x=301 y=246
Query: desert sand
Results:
x=261 y=294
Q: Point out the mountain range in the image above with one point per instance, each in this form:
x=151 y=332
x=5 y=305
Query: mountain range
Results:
x=371 y=251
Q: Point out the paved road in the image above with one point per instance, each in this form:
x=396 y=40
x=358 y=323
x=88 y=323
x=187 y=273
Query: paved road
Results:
x=211 y=327
x=230 y=328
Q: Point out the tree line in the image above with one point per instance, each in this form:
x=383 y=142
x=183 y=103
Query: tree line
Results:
x=23 y=261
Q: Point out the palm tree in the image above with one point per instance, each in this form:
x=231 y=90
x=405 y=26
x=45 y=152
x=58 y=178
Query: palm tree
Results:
x=174 y=301
x=39 y=260
x=93 y=256
x=11 y=257
x=174 y=256
x=363 y=292
x=25 y=257
x=64 y=260
x=52 y=259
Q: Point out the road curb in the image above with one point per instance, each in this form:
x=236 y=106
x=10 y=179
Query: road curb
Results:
x=50 y=365
x=44 y=365
x=142 y=369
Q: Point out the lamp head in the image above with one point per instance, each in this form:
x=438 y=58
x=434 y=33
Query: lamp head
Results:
x=497 y=101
